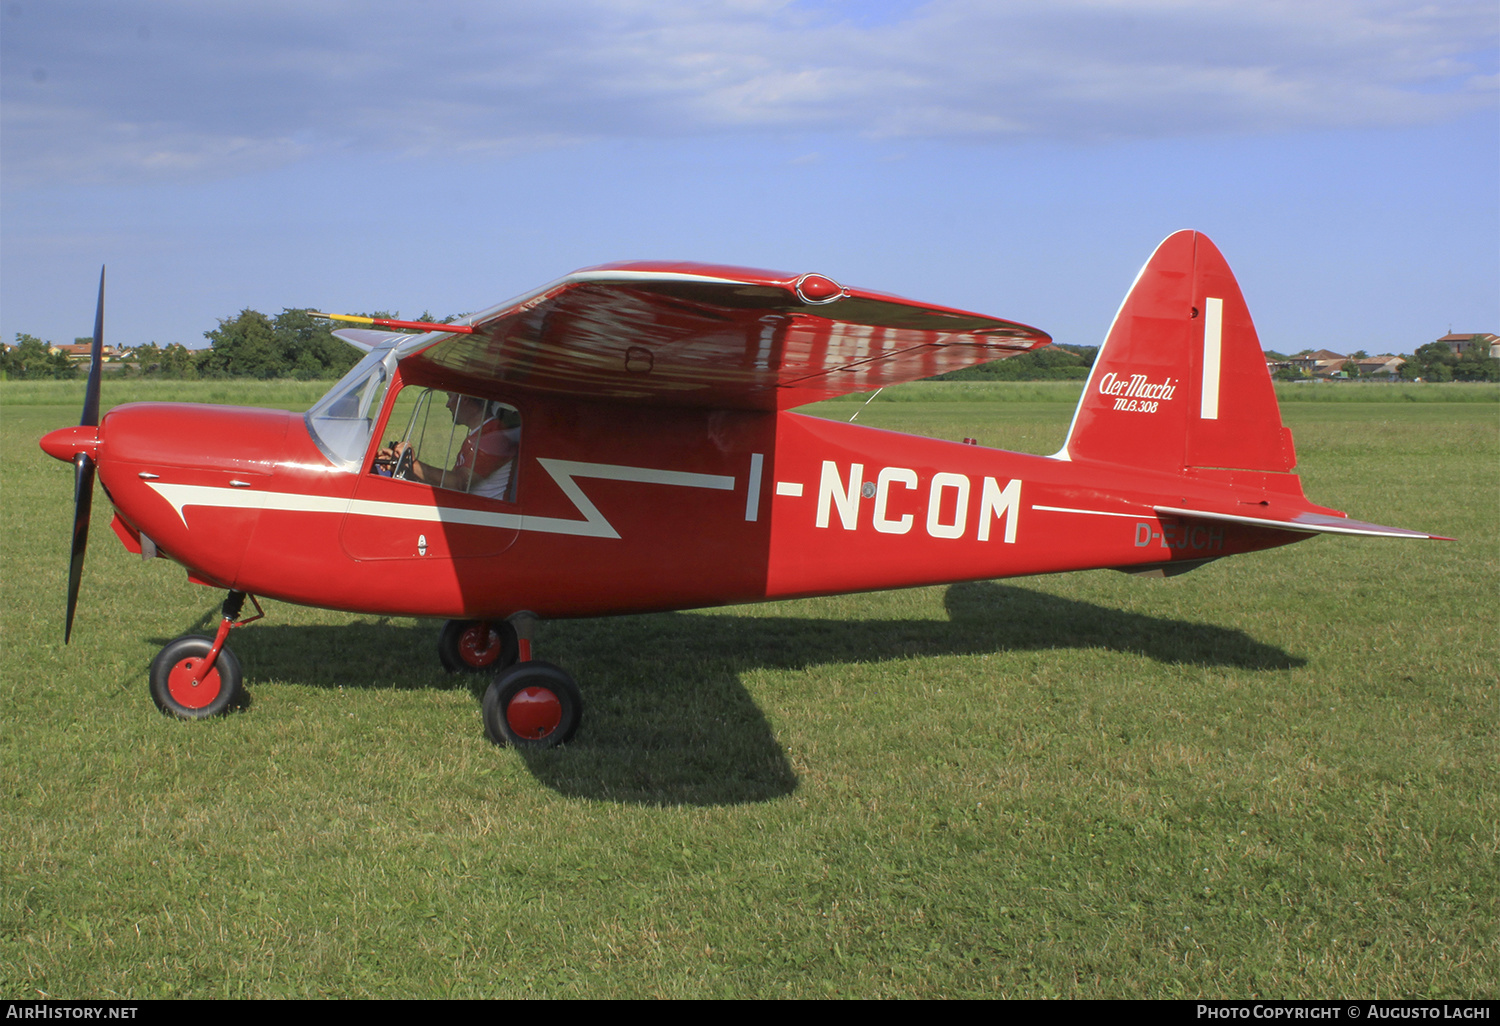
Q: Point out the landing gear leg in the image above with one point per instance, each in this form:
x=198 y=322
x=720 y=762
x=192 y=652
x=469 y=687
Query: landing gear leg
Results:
x=195 y=677
x=533 y=704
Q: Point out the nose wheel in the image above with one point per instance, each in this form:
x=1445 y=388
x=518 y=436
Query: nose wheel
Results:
x=194 y=677
x=185 y=685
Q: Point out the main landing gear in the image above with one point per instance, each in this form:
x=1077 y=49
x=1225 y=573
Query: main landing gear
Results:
x=530 y=704
x=195 y=677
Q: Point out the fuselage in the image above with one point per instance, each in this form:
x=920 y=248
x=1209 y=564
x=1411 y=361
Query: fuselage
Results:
x=626 y=508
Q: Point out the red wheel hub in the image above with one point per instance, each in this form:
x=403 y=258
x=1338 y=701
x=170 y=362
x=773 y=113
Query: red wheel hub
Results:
x=186 y=687
x=533 y=713
x=479 y=645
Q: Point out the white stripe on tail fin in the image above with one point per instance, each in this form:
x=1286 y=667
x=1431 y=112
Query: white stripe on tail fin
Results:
x=1181 y=380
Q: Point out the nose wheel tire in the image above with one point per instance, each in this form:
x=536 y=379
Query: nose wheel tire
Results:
x=477 y=646
x=180 y=688
x=532 y=705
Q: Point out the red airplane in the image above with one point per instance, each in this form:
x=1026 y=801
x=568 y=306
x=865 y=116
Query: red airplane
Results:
x=621 y=441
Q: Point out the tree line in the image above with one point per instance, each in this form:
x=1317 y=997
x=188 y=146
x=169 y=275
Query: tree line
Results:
x=1054 y=363
x=249 y=345
x=1436 y=362
x=29 y=359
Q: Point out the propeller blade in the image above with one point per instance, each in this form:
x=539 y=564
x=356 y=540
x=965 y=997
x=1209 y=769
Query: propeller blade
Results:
x=83 y=505
x=91 y=392
x=83 y=466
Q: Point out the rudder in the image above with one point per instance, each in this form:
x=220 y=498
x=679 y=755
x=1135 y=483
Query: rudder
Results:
x=1181 y=380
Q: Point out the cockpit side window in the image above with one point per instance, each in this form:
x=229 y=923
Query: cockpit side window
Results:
x=456 y=441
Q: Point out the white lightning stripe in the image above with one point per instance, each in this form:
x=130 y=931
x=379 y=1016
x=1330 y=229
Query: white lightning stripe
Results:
x=182 y=496
x=1092 y=512
x=594 y=524
x=752 y=492
x=1213 y=344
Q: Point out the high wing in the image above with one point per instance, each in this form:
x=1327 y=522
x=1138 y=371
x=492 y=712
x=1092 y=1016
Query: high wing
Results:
x=711 y=336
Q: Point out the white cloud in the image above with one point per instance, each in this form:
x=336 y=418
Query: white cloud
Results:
x=172 y=87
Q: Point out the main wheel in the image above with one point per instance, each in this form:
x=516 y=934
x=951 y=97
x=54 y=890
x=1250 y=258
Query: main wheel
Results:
x=477 y=646
x=179 y=689
x=532 y=705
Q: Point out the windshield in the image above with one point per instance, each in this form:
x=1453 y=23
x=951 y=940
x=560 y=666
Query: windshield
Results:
x=341 y=422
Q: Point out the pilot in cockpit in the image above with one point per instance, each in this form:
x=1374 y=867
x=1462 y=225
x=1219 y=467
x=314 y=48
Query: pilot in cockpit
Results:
x=486 y=458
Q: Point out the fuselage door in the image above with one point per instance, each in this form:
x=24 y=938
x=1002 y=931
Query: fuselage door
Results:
x=446 y=487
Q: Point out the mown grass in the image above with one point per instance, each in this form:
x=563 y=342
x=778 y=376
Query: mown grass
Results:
x=278 y=394
x=1272 y=777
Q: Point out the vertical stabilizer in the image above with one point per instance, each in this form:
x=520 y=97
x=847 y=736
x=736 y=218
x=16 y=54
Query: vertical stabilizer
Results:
x=1181 y=380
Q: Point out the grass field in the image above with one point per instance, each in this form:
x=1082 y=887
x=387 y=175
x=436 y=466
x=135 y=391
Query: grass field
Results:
x=1273 y=777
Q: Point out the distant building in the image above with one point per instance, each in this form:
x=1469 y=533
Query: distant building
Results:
x=1464 y=342
x=80 y=352
x=1323 y=364
x=1386 y=366
x=1327 y=365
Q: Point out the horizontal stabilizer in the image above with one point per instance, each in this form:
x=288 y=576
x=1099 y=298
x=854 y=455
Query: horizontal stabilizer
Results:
x=1304 y=522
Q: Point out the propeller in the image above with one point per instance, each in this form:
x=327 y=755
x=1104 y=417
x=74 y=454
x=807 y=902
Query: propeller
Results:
x=83 y=466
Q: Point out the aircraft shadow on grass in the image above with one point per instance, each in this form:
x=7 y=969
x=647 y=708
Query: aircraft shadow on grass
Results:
x=667 y=719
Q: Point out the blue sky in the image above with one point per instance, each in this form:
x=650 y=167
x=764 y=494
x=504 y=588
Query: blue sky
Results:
x=1015 y=158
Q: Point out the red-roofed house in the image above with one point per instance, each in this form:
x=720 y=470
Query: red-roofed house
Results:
x=1463 y=342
